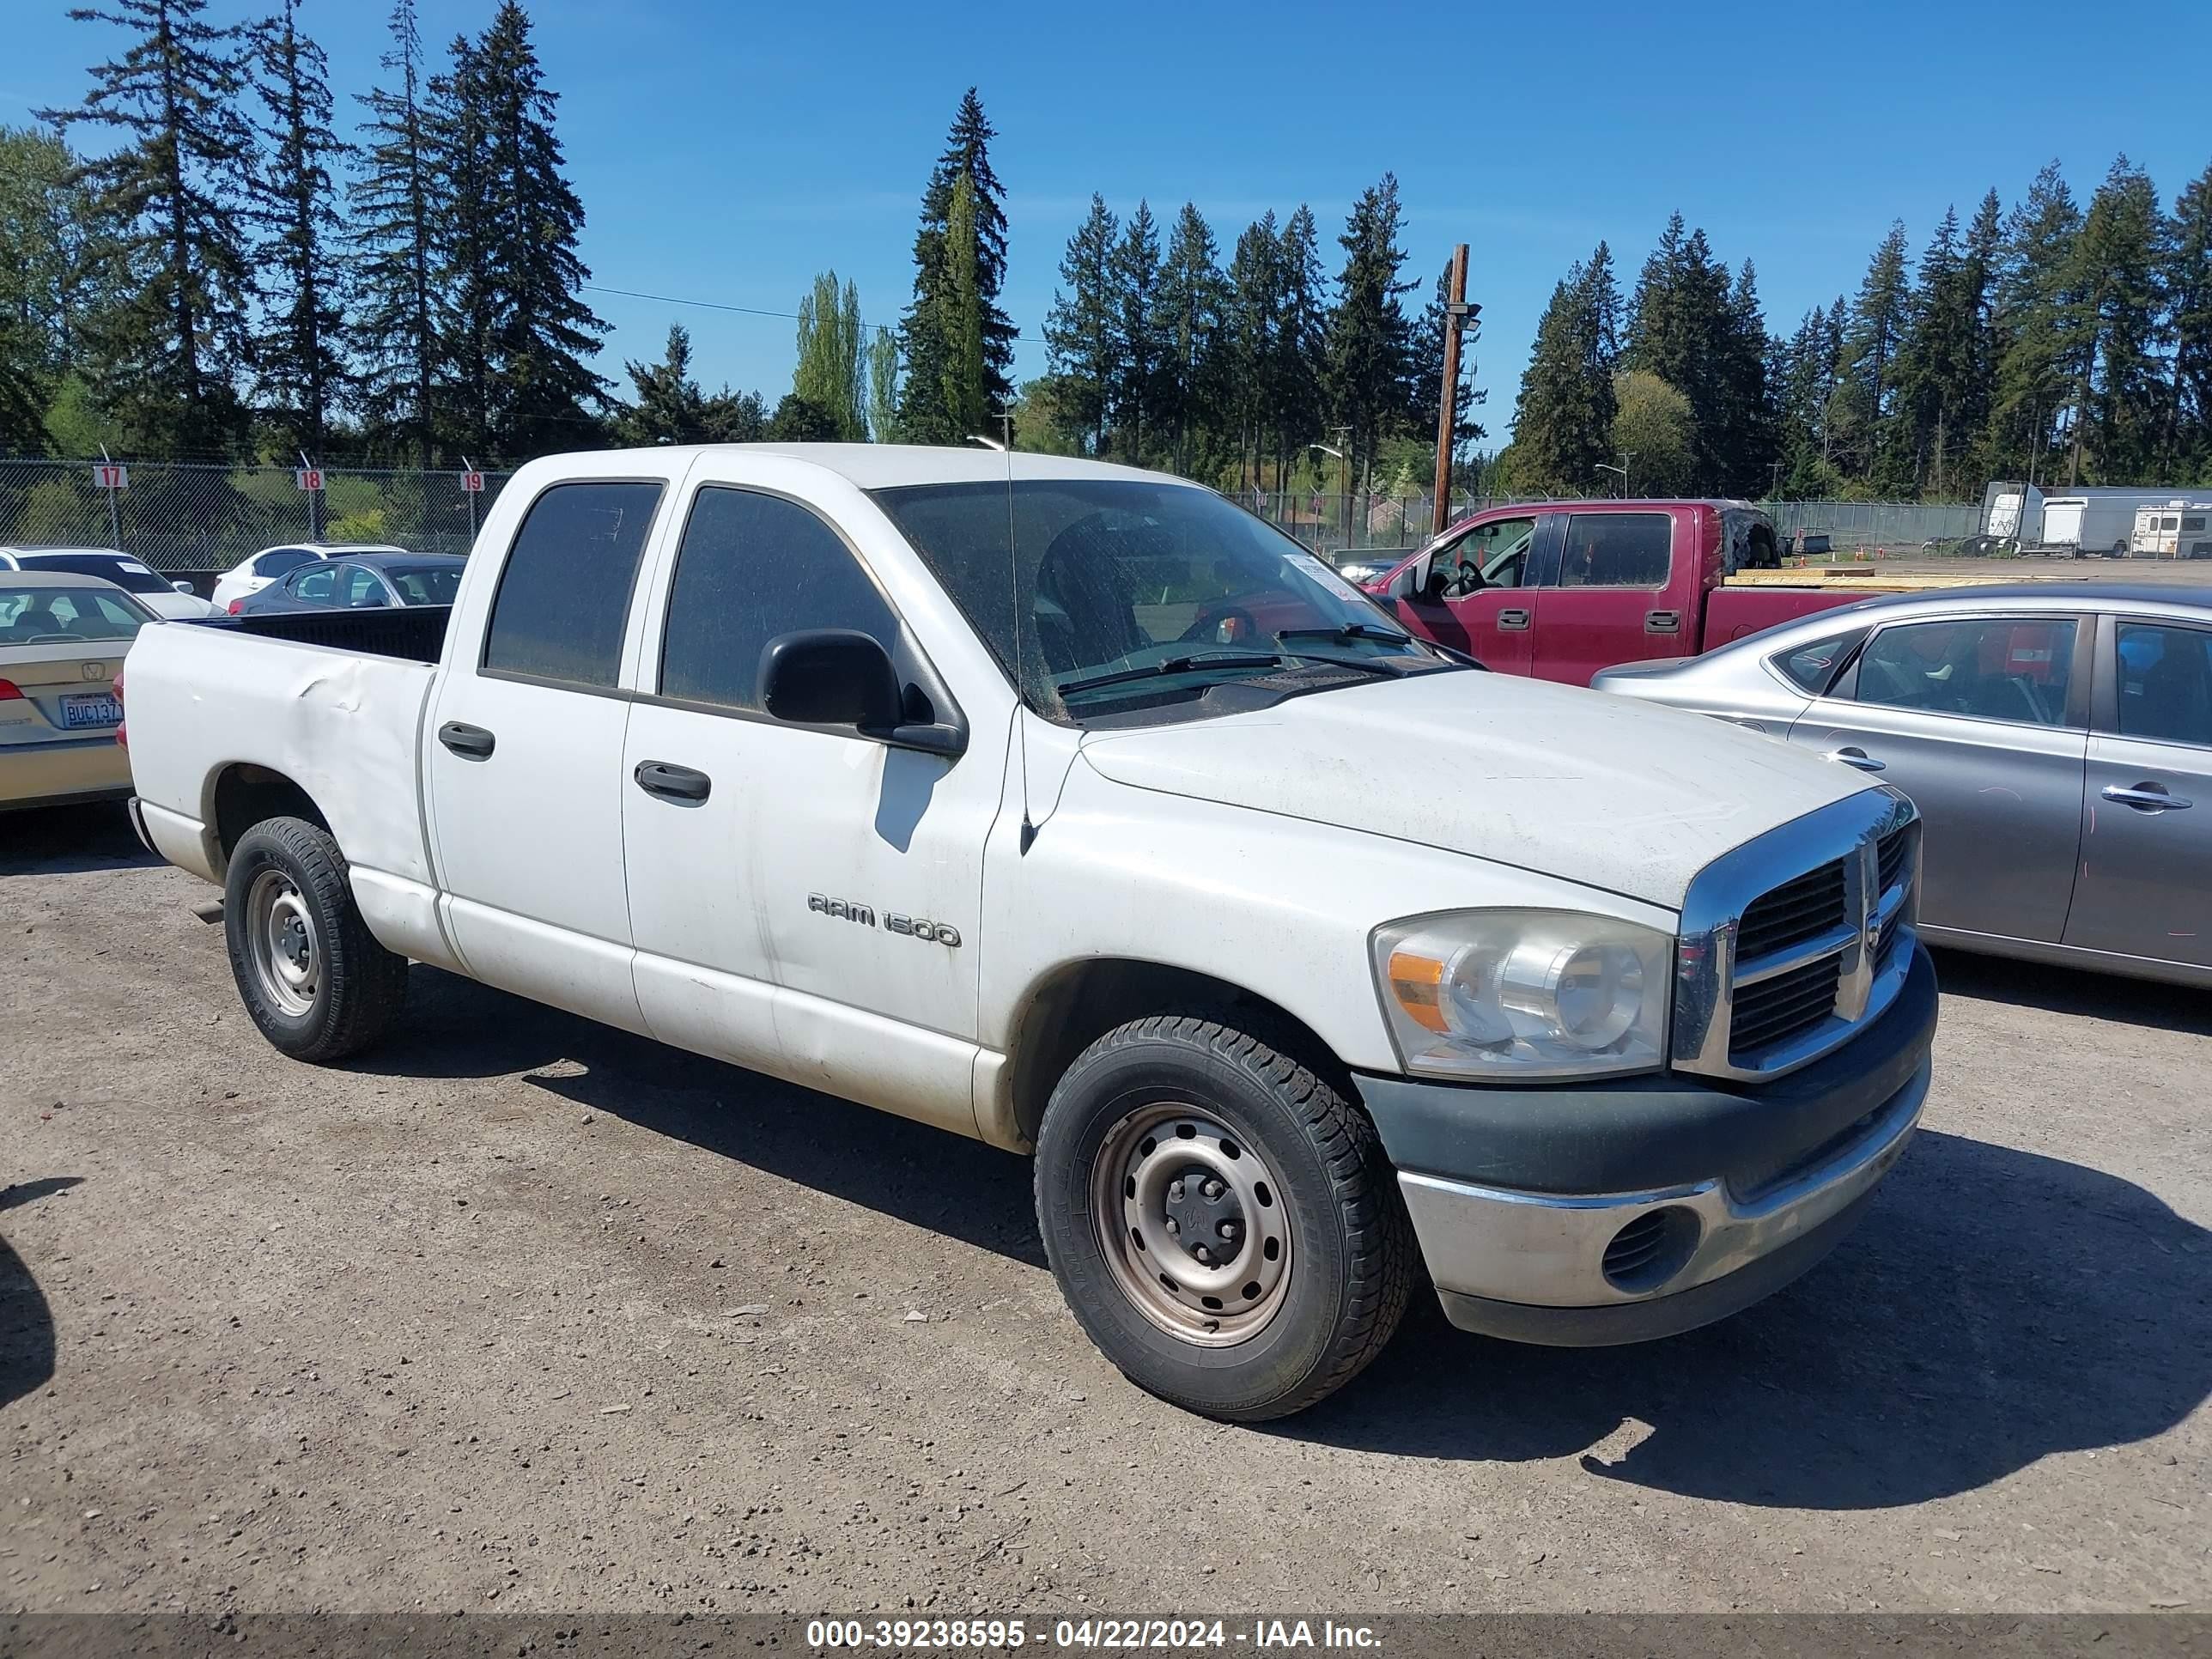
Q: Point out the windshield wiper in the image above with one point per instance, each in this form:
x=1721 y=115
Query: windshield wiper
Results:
x=1175 y=665
x=1354 y=631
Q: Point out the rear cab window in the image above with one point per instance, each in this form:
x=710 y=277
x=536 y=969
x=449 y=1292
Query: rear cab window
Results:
x=1618 y=549
x=562 y=604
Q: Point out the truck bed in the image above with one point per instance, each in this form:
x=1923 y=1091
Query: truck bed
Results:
x=416 y=634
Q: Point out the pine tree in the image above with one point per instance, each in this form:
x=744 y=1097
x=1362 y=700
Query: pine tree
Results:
x=1681 y=328
x=830 y=373
x=1193 y=297
x=1746 y=445
x=1138 y=347
x=1079 y=333
x=56 y=253
x=1252 y=323
x=882 y=387
x=540 y=329
x=670 y=407
x=1428 y=371
x=1880 y=317
x=1368 y=361
x=302 y=373
x=169 y=355
x=2112 y=283
x=2032 y=321
x=398 y=200
x=966 y=313
x=1298 y=378
x=924 y=341
x=2187 y=450
x=1563 y=419
x=467 y=309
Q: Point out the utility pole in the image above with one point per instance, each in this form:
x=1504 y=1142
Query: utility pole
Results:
x=1456 y=310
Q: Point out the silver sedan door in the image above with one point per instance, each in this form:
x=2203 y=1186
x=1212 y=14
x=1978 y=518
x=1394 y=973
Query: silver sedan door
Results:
x=2145 y=884
x=1982 y=721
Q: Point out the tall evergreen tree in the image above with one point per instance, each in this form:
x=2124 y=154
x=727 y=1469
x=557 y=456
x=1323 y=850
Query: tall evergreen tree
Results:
x=1880 y=318
x=541 y=330
x=1298 y=378
x=1081 y=332
x=57 y=268
x=1563 y=421
x=670 y=407
x=1933 y=372
x=1369 y=339
x=2113 y=283
x=1252 y=323
x=2031 y=319
x=397 y=201
x=924 y=340
x=303 y=373
x=1681 y=328
x=1193 y=295
x=169 y=355
x=1746 y=443
x=2187 y=449
x=1139 y=349
x=830 y=373
x=466 y=281
x=966 y=313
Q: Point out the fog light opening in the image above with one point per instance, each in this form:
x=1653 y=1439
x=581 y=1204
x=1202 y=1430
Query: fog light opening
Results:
x=1651 y=1249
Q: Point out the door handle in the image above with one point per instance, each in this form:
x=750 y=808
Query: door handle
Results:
x=2146 y=797
x=1857 y=757
x=473 y=742
x=1663 y=621
x=1512 y=619
x=671 y=782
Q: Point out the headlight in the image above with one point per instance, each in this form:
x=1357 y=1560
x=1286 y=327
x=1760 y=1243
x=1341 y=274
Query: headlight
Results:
x=1517 y=994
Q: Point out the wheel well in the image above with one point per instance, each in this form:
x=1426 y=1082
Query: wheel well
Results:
x=246 y=794
x=1083 y=1001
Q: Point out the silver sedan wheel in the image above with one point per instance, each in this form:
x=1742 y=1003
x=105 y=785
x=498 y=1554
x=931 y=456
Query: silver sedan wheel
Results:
x=281 y=940
x=1193 y=1224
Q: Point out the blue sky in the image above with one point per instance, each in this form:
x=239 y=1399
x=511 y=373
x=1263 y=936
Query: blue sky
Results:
x=728 y=152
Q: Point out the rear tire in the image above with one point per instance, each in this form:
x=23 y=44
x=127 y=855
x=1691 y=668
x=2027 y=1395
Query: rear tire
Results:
x=1222 y=1222
x=312 y=976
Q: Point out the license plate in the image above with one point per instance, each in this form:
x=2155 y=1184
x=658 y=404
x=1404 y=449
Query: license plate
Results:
x=99 y=710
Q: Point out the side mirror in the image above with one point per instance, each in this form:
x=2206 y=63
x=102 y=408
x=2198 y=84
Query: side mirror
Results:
x=182 y=588
x=841 y=677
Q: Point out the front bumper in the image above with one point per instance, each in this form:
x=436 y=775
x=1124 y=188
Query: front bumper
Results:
x=1618 y=1214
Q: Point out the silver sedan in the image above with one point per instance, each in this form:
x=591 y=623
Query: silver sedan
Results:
x=2057 y=739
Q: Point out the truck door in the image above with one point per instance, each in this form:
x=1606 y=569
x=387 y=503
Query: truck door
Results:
x=1481 y=599
x=804 y=901
x=522 y=753
x=1617 y=597
x=2145 y=884
x=1982 y=721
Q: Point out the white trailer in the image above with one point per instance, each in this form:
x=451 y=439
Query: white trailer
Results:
x=2180 y=529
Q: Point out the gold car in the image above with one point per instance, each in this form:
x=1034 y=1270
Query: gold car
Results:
x=62 y=641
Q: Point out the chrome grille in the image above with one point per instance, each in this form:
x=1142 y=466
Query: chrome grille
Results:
x=1791 y=943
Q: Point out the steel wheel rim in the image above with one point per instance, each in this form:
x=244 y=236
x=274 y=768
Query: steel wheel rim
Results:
x=287 y=952
x=1162 y=1170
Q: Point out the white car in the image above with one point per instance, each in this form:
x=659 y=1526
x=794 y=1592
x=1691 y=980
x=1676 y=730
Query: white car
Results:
x=252 y=575
x=924 y=777
x=172 y=601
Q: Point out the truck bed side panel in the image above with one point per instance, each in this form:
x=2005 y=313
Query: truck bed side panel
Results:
x=1731 y=613
x=344 y=727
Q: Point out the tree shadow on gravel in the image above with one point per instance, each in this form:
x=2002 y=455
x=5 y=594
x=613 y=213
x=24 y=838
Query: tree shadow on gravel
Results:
x=58 y=840
x=1993 y=1307
x=27 y=1323
x=2072 y=991
x=456 y=1028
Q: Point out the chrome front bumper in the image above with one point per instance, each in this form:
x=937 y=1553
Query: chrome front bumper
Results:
x=1534 y=1266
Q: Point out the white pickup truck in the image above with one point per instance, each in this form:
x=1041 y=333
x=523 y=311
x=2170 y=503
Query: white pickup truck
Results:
x=1071 y=807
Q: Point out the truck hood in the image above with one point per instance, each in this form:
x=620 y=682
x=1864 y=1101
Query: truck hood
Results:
x=1589 y=788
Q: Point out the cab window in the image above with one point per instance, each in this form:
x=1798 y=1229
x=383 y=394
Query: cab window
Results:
x=1493 y=555
x=360 y=589
x=563 y=598
x=1617 y=549
x=316 y=586
x=2165 y=684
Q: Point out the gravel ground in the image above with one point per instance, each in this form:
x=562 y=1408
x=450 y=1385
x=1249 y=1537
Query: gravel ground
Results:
x=526 y=1313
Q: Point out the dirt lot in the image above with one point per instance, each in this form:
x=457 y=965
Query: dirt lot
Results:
x=528 y=1314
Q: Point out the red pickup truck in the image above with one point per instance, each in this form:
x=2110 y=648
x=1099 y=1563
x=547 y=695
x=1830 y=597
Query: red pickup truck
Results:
x=1560 y=589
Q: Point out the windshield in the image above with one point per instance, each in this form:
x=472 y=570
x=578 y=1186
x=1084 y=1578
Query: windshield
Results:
x=1127 y=592
x=56 y=616
x=126 y=573
x=425 y=584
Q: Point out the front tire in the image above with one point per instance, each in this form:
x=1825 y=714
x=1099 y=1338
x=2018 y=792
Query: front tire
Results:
x=312 y=976
x=1222 y=1222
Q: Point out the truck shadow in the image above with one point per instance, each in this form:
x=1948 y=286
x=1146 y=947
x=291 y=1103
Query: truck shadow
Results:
x=1994 y=1308
x=962 y=1188
x=2074 y=991
x=54 y=840
x=27 y=1323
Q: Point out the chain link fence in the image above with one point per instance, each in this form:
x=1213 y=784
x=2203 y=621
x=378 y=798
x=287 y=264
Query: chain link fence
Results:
x=1891 y=528
x=179 y=517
